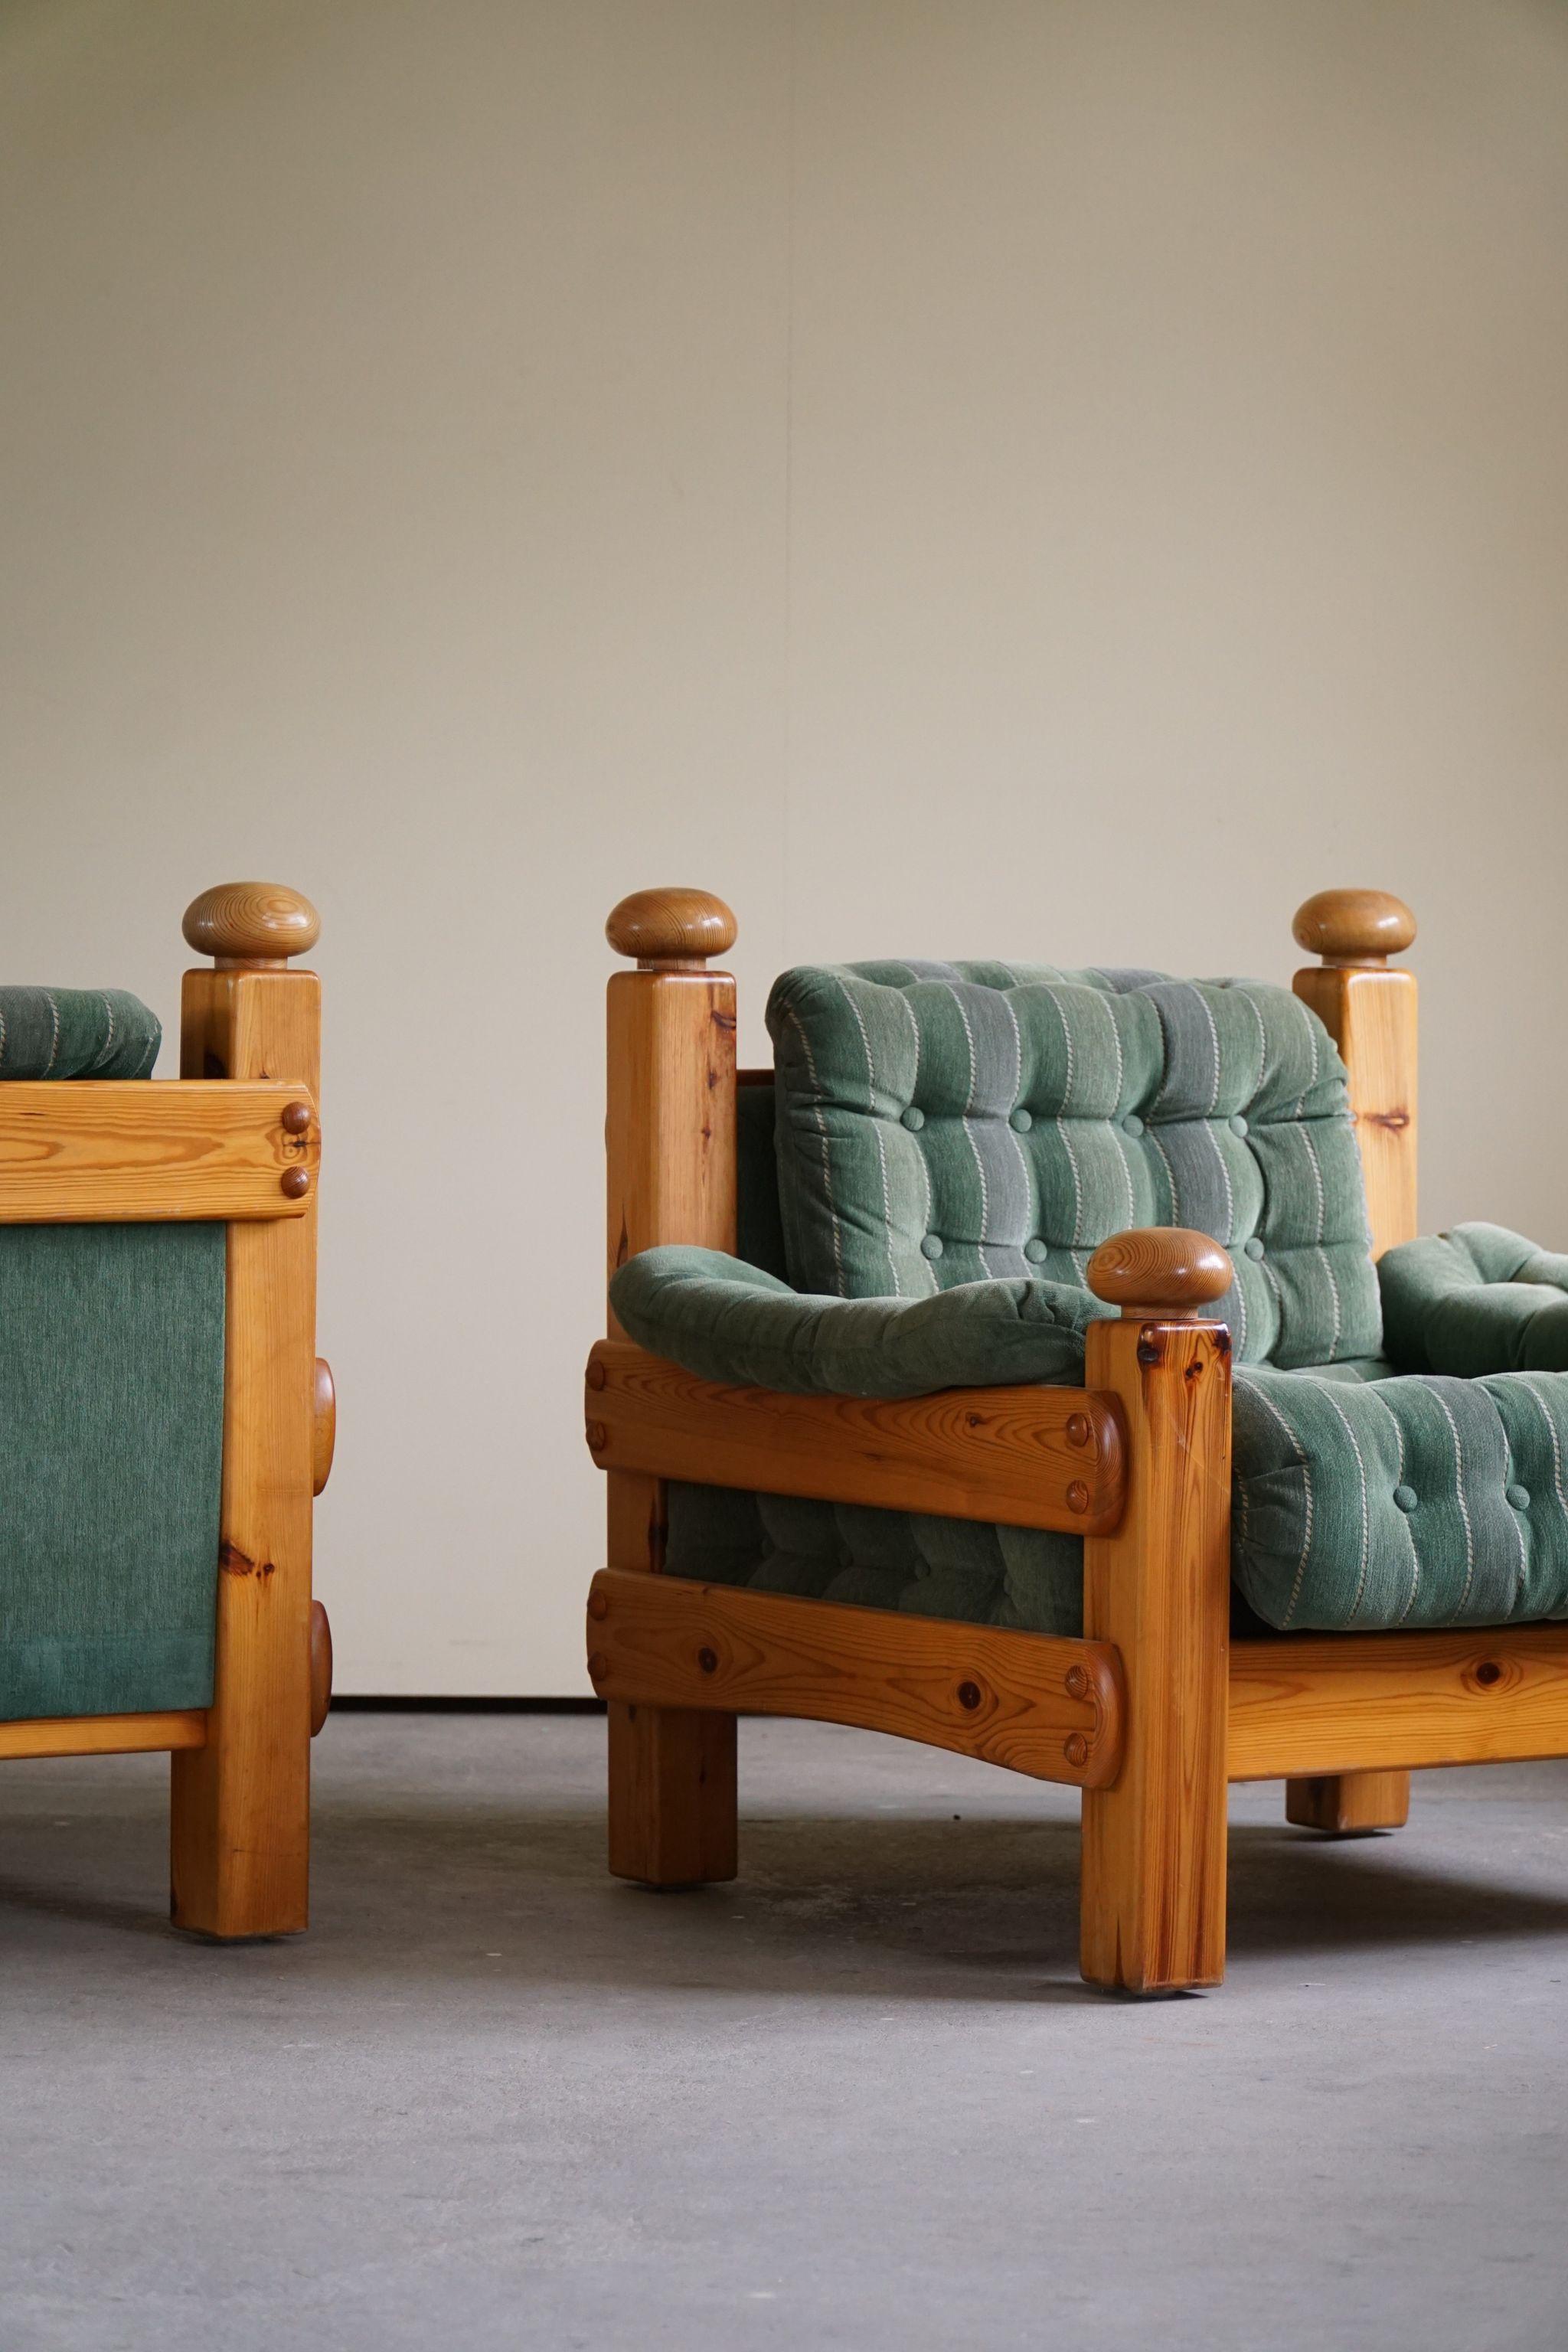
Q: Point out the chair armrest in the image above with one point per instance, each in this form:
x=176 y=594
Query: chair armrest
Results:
x=1475 y=1300
x=730 y=1322
x=1029 y=1457
x=127 y=1150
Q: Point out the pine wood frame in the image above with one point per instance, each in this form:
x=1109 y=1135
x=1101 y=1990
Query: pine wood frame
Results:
x=235 y=1139
x=1154 y=1711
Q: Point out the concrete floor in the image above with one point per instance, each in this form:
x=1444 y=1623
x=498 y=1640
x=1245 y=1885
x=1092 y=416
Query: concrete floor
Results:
x=858 y=2099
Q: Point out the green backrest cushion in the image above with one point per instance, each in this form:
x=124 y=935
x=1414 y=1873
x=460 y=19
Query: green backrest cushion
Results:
x=940 y=1124
x=75 y=1032
x=111 y=1379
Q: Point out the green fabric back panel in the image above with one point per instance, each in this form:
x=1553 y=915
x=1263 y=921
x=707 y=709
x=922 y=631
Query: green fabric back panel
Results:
x=75 y=1032
x=111 y=1369
x=1479 y=1299
x=759 y=1229
x=940 y=1124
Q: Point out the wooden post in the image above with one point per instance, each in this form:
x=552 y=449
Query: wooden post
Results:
x=1369 y=1011
x=240 y=1844
x=1158 y=1588
x=669 y=1136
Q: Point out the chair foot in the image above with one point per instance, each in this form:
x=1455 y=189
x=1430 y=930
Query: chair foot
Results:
x=1349 y=1804
x=672 y=1795
x=240 y=1842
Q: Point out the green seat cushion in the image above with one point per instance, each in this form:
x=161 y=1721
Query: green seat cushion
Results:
x=75 y=1032
x=1416 y=1501
x=940 y=1124
x=1362 y=1500
x=111 y=1369
x=1479 y=1299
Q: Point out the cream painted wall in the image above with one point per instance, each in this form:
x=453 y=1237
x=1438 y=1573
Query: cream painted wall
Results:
x=1057 y=478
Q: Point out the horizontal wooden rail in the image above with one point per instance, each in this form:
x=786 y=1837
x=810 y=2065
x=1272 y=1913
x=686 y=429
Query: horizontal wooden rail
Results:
x=104 y=1735
x=1380 y=1702
x=1037 y=1703
x=1030 y=1457
x=90 y=1152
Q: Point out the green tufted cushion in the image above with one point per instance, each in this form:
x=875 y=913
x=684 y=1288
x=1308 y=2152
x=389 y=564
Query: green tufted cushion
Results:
x=75 y=1032
x=1479 y=1299
x=1361 y=1500
x=940 y=1124
x=1414 y=1502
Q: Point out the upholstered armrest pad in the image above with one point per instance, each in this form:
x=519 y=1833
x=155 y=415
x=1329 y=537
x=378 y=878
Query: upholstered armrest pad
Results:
x=75 y=1032
x=1427 y=1501
x=1479 y=1299
x=728 y=1321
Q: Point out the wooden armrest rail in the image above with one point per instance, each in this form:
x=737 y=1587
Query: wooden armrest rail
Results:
x=1037 y=1703
x=1030 y=1457
x=1374 y=1702
x=111 y=1150
x=104 y=1735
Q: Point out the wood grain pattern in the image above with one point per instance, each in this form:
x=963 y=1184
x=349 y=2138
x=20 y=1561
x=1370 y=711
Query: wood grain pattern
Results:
x=1036 y=1703
x=254 y=925
x=672 y=926
x=670 y=1133
x=669 y=1143
x=1362 y=927
x=108 y=1150
x=104 y=1735
x=1159 y=1269
x=320 y=1667
x=1349 y=1804
x=240 y=1846
x=1370 y=1016
x=1159 y=1591
x=1029 y=1457
x=1336 y=1702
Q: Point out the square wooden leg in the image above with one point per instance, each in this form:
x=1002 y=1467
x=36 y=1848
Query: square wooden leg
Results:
x=1349 y=1804
x=672 y=1795
x=1154 y=1842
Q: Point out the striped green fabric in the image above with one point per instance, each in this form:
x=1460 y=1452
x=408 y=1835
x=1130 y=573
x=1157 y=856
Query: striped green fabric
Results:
x=732 y=1322
x=1423 y=1501
x=940 y=1124
x=75 y=1032
x=1479 y=1299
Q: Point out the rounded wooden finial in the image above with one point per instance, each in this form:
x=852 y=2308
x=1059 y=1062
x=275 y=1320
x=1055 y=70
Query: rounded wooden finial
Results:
x=251 y=923
x=1355 y=925
x=1166 y=1267
x=671 y=927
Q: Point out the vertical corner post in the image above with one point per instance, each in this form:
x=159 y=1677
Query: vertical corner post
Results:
x=669 y=1136
x=241 y=1803
x=1153 y=1891
x=1369 y=1008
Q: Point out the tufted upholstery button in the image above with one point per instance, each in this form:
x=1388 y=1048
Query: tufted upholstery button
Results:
x=1253 y=1246
x=1021 y=1121
x=931 y=1245
x=1237 y=1124
x=913 y=1120
x=1405 y=1497
x=1035 y=1251
x=1132 y=1124
x=1520 y=1498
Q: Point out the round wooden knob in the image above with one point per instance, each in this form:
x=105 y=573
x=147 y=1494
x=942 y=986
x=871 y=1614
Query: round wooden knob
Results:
x=1164 y=1267
x=320 y=1666
x=671 y=927
x=251 y=923
x=1355 y=925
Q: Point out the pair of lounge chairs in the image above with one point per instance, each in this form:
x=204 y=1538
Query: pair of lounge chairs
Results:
x=1039 y=1364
